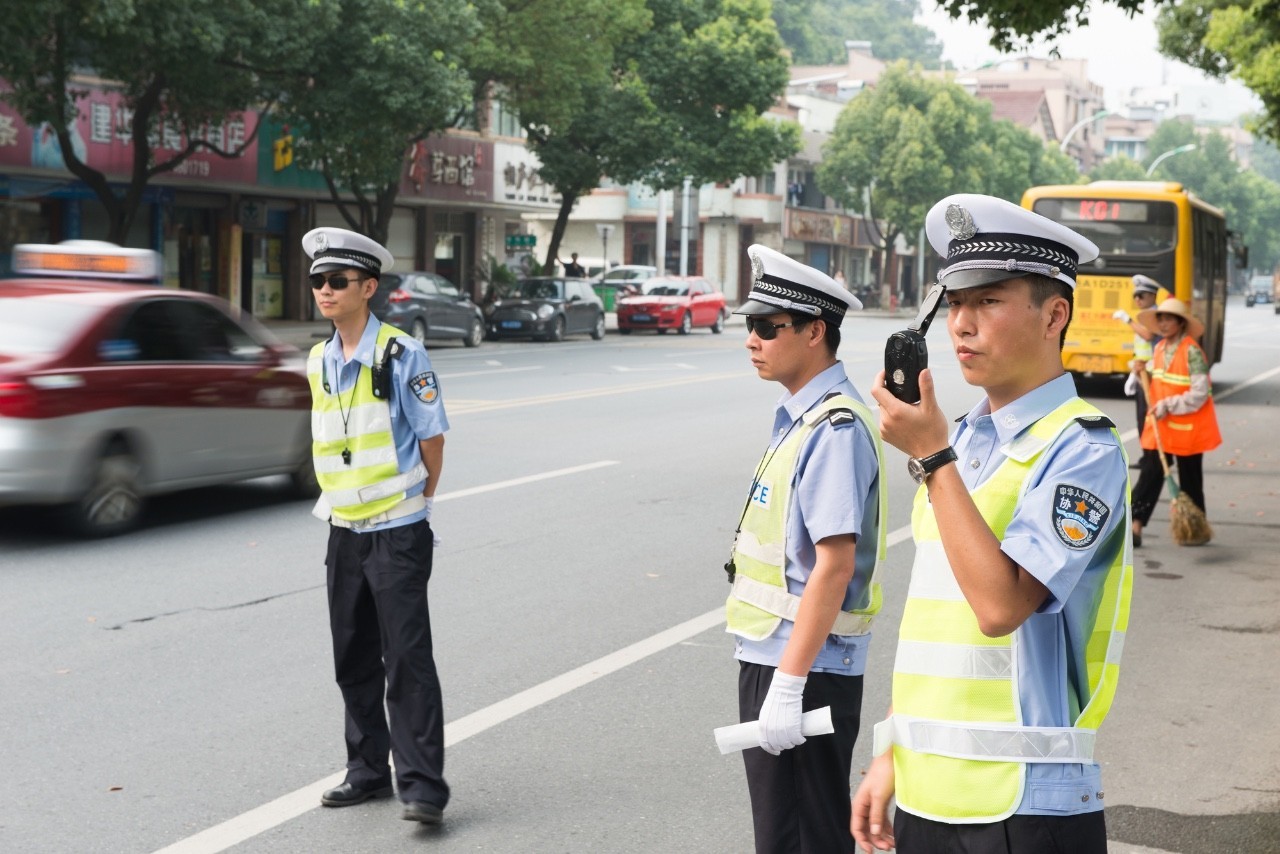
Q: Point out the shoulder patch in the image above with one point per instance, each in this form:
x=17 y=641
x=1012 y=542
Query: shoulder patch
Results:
x=841 y=417
x=1078 y=516
x=425 y=387
x=1095 y=421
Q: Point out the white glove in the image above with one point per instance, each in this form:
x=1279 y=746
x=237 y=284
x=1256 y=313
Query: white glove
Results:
x=430 y=503
x=780 y=715
x=1131 y=386
x=1121 y=314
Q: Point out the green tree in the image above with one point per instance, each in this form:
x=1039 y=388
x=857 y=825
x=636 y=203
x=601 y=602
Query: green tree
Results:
x=1118 y=168
x=1015 y=22
x=912 y=140
x=683 y=97
x=175 y=65
x=815 y=30
x=391 y=79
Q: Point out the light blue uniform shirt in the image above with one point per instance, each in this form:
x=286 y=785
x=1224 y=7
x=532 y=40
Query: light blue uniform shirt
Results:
x=835 y=481
x=412 y=419
x=1051 y=644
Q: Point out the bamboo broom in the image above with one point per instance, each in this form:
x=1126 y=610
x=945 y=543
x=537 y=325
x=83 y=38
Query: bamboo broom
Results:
x=1187 y=522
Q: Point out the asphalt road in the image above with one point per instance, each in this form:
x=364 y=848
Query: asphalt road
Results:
x=172 y=689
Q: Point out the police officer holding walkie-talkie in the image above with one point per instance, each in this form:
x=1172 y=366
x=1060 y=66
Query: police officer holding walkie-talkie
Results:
x=378 y=425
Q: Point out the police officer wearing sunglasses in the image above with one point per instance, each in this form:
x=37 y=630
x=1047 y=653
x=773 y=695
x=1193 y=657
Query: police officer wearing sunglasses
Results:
x=808 y=543
x=378 y=425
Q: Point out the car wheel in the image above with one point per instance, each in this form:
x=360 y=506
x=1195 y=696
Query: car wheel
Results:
x=597 y=332
x=557 y=330
x=419 y=331
x=718 y=326
x=474 y=334
x=686 y=323
x=112 y=503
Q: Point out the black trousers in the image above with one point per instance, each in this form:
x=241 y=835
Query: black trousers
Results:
x=1018 y=834
x=1146 y=493
x=800 y=798
x=382 y=650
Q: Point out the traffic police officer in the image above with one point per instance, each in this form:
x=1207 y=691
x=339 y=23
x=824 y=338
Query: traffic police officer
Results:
x=1145 y=290
x=1010 y=640
x=808 y=542
x=378 y=425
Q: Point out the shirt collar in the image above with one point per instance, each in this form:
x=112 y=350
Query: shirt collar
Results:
x=1010 y=420
x=365 y=350
x=813 y=391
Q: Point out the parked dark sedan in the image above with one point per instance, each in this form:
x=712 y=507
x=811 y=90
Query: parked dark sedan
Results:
x=548 y=309
x=427 y=306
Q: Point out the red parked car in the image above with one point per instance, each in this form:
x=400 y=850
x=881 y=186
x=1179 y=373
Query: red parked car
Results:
x=674 y=302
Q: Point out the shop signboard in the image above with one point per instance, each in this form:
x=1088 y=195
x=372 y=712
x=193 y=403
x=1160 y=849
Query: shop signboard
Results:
x=517 y=178
x=450 y=168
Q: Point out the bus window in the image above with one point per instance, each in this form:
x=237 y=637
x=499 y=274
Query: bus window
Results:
x=1118 y=227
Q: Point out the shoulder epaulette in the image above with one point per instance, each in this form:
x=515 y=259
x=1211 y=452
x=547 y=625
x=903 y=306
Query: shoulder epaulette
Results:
x=840 y=416
x=1095 y=422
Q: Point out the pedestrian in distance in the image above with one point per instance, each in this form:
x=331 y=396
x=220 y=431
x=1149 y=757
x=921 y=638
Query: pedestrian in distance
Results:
x=808 y=542
x=1183 y=422
x=378 y=425
x=573 y=269
x=1009 y=645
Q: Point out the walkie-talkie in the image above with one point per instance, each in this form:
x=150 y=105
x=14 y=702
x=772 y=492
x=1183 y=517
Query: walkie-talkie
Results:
x=905 y=353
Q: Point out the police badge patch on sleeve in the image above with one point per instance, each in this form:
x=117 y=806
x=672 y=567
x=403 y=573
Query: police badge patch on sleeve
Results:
x=425 y=387
x=1078 y=516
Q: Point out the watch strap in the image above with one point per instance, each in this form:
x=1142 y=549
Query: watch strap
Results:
x=933 y=462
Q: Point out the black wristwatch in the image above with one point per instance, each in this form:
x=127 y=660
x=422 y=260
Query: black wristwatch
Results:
x=920 y=469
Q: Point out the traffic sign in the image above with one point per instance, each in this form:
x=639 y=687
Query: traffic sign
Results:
x=522 y=241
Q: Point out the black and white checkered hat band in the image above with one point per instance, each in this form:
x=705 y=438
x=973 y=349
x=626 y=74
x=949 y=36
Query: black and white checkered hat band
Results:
x=361 y=259
x=791 y=296
x=1013 y=252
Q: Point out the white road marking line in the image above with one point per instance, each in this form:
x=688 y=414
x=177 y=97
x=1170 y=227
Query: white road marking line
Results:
x=470 y=406
x=622 y=369
x=520 y=481
x=493 y=373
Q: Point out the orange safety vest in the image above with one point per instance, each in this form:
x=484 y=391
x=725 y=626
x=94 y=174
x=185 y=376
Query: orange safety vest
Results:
x=1181 y=435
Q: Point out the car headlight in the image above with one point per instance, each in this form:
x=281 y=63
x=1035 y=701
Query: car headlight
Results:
x=670 y=308
x=545 y=311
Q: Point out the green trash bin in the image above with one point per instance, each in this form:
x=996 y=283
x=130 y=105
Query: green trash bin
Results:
x=607 y=295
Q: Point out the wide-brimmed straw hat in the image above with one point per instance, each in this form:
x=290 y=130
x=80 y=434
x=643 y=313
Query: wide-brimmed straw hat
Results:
x=1174 y=306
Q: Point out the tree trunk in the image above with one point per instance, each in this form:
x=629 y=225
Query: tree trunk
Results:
x=567 y=200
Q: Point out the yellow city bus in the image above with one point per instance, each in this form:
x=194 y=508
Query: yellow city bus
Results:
x=1152 y=227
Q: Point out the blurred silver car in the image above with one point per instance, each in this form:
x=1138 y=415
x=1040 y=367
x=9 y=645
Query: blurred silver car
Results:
x=111 y=393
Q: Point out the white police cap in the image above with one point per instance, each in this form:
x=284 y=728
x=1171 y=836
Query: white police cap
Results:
x=1145 y=285
x=339 y=249
x=782 y=284
x=987 y=240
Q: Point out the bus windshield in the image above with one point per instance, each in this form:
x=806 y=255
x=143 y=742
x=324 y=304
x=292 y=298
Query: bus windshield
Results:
x=1118 y=227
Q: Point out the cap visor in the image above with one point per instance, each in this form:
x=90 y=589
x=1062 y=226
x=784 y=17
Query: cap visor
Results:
x=326 y=265
x=962 y=279
x=752 y=306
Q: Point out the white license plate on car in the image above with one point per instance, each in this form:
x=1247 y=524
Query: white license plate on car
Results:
x=641 y=318
x=511 y=324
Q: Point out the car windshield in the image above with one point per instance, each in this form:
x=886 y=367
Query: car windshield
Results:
x=662 y=288
x=540 y=289
x=40 y=325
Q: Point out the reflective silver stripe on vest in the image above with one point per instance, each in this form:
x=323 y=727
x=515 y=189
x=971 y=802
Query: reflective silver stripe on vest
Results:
x=931 y=575
x=381 y=489
x=405 y=508
x=952 y=661
x=327 y=425
x=986 y=742
x=748 y=545
x=782 y=603
x=359 y=459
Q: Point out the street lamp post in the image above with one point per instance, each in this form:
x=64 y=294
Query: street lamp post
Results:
x=1098 y=116
x=1181 y=149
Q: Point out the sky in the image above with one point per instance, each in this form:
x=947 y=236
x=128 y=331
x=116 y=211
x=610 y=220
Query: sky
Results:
x=1122 y=55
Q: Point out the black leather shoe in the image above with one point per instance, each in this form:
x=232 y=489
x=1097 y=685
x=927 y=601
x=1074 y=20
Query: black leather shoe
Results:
x=423 y=812
x=349 y=794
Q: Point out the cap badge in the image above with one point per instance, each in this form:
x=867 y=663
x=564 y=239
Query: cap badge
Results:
x=960 y=222
x=757 y=268
x=322 y=242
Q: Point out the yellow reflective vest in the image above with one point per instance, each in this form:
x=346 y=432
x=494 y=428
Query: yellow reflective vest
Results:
x=365 y=487
x=759 y=600
x=960 y=745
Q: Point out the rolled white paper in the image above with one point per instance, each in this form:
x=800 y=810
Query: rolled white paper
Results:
x=741 y=736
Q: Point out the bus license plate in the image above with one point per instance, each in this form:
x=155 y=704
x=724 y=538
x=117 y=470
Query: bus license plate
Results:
x=1091 y=364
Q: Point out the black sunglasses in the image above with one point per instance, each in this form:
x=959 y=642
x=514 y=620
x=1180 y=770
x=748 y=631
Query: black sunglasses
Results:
x=335 y=281
x=767 y=331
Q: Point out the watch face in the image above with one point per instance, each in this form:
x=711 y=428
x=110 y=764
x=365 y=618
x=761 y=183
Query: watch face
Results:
x=916 y=470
